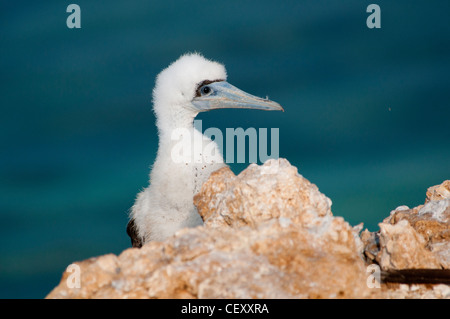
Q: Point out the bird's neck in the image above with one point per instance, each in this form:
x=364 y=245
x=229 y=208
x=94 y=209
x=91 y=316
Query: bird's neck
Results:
x=178 y=118
x=185 y=156
x=181 y=143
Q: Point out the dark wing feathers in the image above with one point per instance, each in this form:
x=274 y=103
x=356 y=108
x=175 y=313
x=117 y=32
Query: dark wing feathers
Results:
x=136 y=241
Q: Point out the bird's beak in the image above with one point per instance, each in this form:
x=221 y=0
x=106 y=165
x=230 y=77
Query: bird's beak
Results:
x=223 y=95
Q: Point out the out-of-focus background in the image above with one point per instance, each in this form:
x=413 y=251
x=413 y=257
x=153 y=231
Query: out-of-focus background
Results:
x=366 y=110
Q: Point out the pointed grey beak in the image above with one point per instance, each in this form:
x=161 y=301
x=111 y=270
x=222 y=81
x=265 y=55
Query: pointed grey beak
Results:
x=222 y=95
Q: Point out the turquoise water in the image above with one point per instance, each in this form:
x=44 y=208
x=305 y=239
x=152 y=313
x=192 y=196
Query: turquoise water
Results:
x=366 y=111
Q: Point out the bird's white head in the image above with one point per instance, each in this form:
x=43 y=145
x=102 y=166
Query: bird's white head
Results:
x=193 y=84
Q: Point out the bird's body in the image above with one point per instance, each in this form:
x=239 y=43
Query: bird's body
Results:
x=186 y=157
x=170 y=194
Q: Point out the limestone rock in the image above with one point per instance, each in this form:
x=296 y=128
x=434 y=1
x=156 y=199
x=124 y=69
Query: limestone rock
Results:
x=439 y=192
x=414 y=238
x=268 y=233
x=403 y=248
x=418 y=237
x=261 y=193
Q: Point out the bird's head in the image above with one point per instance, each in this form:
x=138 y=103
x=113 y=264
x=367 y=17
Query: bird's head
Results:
x=193 y=84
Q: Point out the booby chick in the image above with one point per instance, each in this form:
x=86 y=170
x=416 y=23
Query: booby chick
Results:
x=190 y=85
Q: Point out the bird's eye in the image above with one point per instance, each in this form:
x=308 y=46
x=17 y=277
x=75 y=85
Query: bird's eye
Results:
x=205 y=90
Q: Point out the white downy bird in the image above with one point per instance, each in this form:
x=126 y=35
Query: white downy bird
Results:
x=190 y=85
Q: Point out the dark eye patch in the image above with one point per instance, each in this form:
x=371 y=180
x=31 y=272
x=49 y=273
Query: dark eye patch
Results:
x=203 y=83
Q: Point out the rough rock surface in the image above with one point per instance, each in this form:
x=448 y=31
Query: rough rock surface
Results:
x=438 y=192
x=414 y=238
x=268 y=233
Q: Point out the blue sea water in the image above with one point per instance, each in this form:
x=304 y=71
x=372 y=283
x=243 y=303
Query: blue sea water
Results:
x=366 y=110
